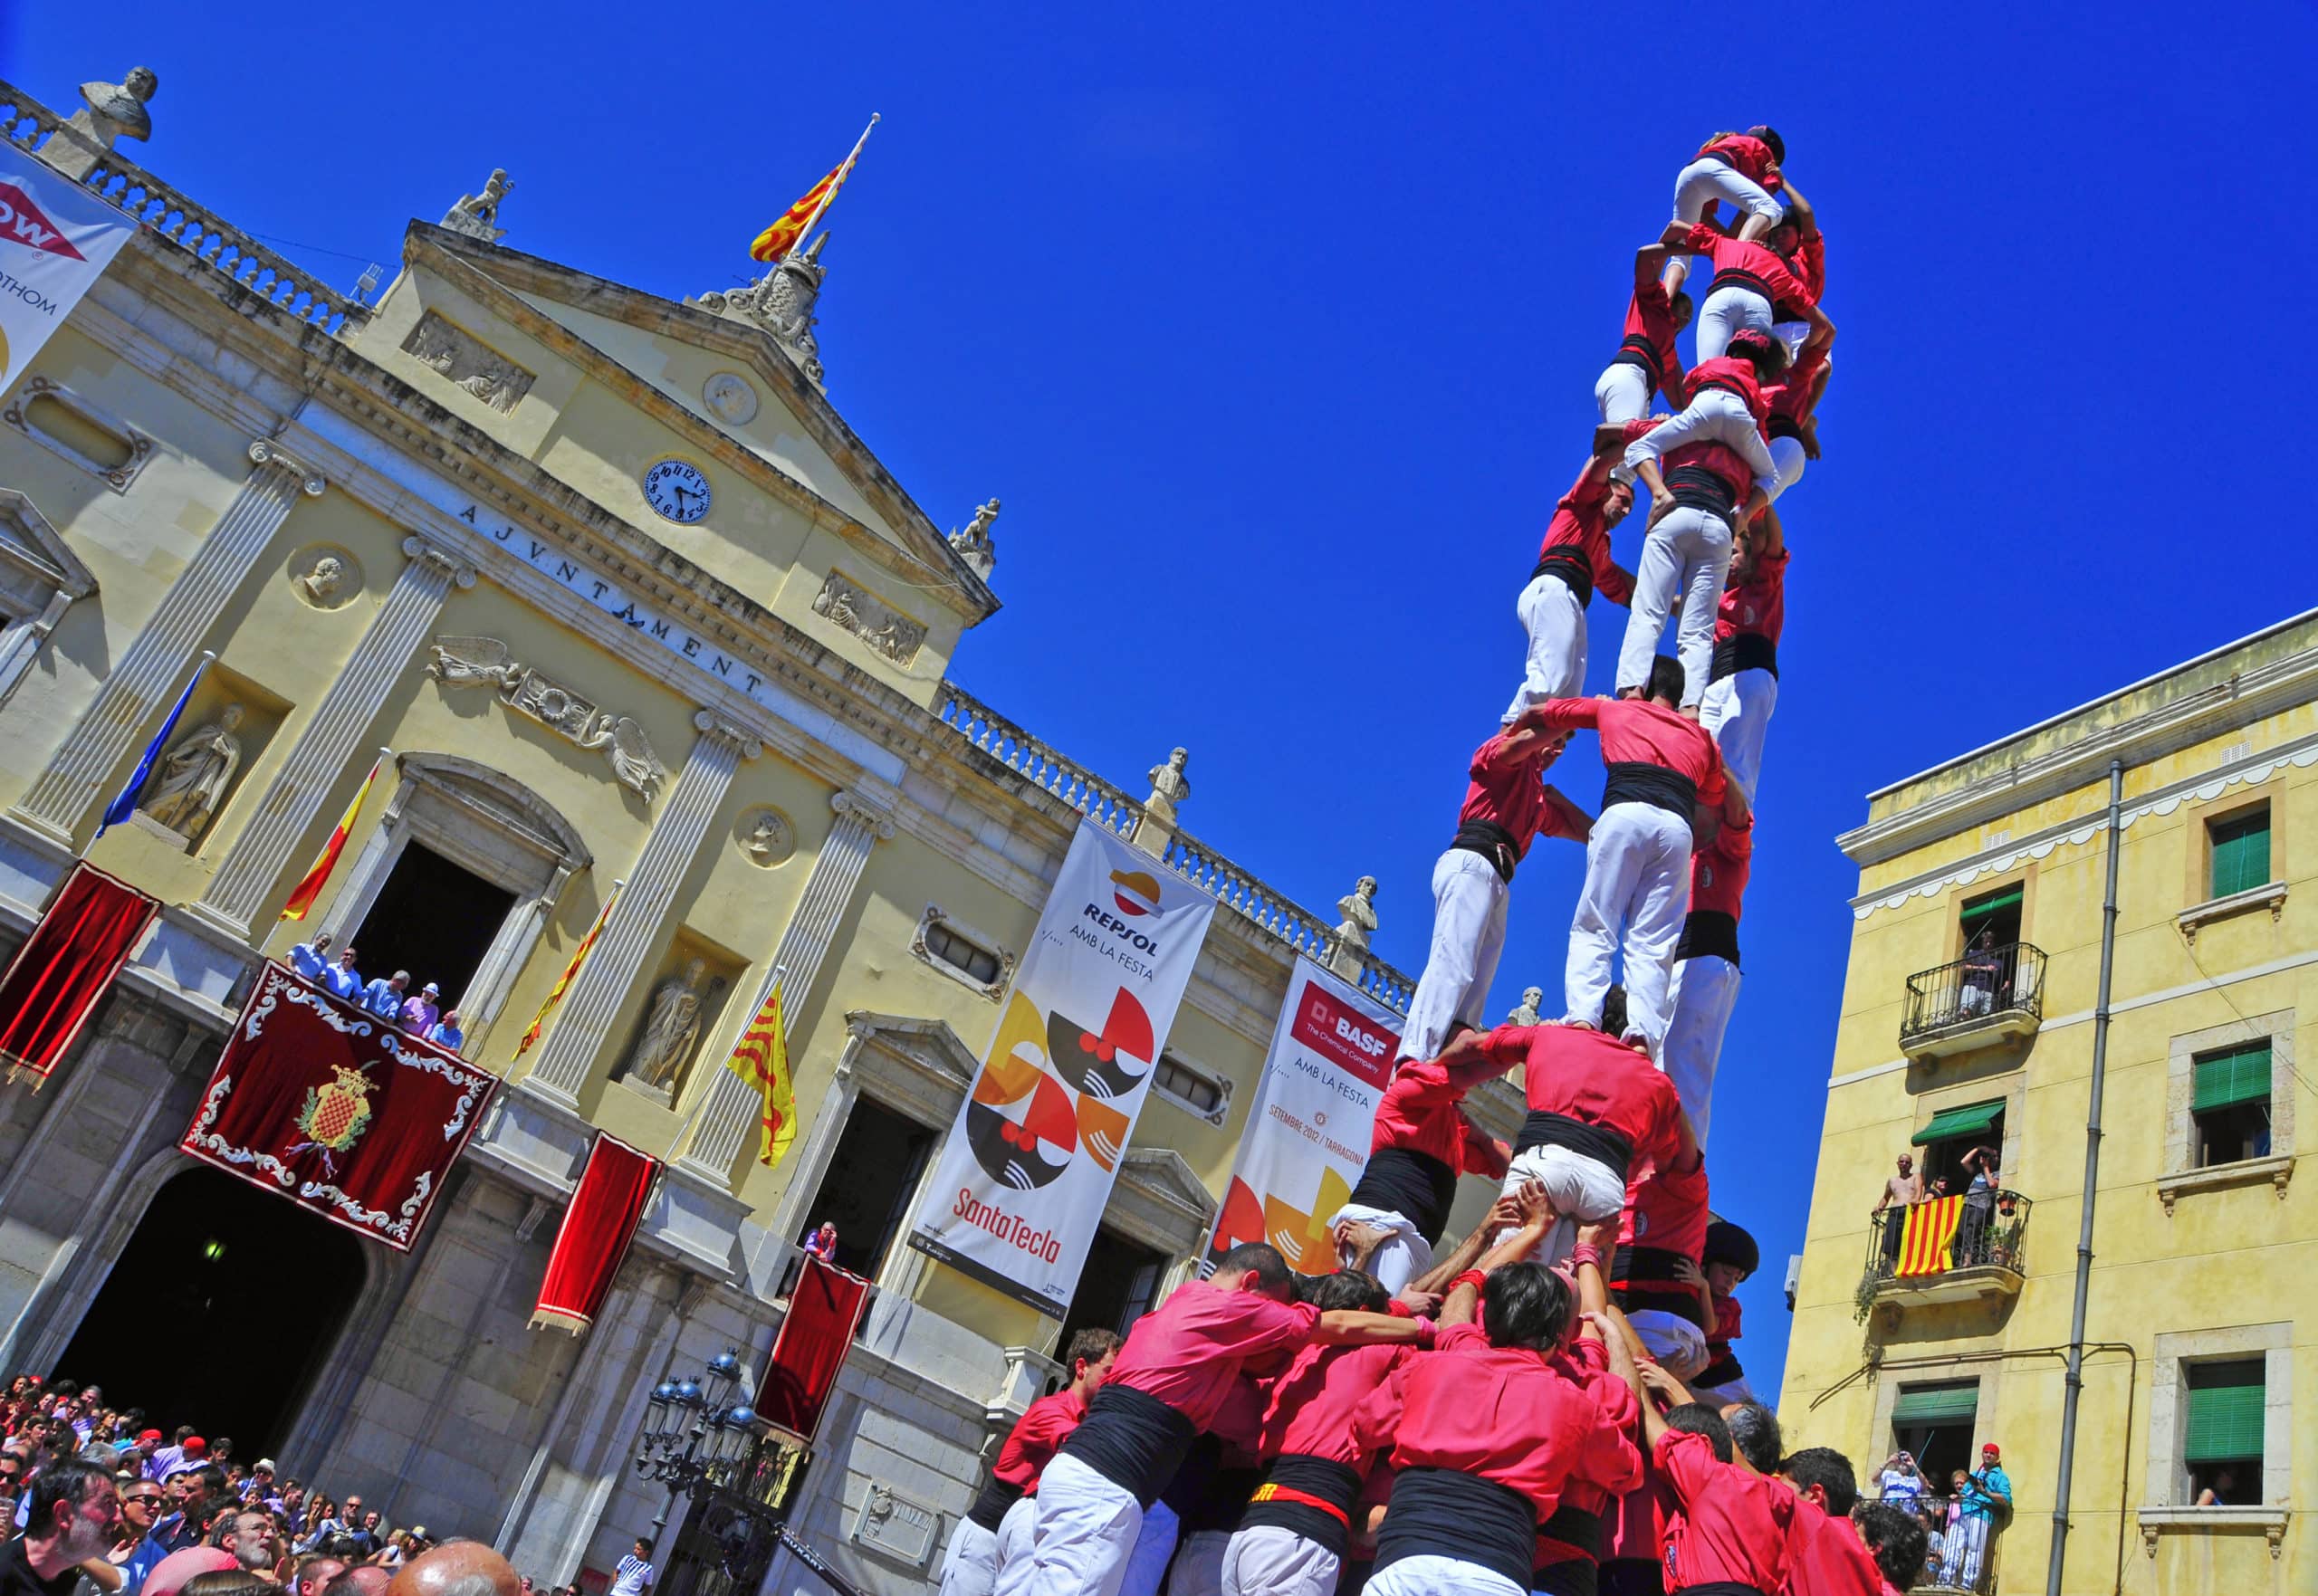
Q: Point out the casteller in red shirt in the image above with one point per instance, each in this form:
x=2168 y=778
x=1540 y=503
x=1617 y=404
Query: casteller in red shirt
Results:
x=1754 y=603
x=1649 y=341
x=1506 y=802
x=1747 y=155
x=1739 y=263
x=1641 y=731
x=1590 y=1091
x=1576 y=545
x=1825 y=1556
x=1421 y=1140
x=1732 y=1525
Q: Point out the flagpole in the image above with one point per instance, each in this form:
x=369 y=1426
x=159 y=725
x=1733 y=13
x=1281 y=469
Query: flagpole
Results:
x=208 y=658
x=843 y=172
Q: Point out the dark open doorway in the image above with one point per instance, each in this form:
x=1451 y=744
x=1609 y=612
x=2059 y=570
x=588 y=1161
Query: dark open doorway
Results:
x=1119 y=1285
x=219 y=1312
x=432 y=919
x=872 y=1177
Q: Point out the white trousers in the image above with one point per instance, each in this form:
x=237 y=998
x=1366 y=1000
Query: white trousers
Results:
x=1968 y=1549
x=1555 y=622
x=1016 y=1532
x=1086 y=1529
x=1198 y=1567
x=1581 y=1190
x=1705 y=989
x=1439 y=1576
x=1468 y=939
x=1637 y=882
x=1726 y=310
x=1793 y=334
x=1155 y=1545
x=1686 y=554
x=971 y=1566
x=1712 y=415
x=1398 y=1259
x=1623 y=392
x=1738 y=711
x=1671 y=1340
x=1710 y=178
x=1787 y=454
x=1265 y=1560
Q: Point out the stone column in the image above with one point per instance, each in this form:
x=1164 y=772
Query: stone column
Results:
x=152 y=667
x=239 y=891
x=576 y=1031
x=730 y=1112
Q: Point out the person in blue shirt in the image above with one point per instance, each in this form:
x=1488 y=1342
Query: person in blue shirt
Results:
x=1987 y=1494
x=446 y=1031
x=383 y=995
x=312 y=959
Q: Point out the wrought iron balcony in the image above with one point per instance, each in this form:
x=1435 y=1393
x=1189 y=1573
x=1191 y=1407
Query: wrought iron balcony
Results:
x=1963 y=1558
x=1988 y=996
x=1984 y=1257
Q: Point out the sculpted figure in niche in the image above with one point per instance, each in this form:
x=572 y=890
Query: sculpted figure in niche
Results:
x=190 y=780
x=1169 y=787
x=670 y=1027
x=322 y=583
x=1358 y=908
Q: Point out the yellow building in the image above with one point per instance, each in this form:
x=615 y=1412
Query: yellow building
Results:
x=1984 y=1010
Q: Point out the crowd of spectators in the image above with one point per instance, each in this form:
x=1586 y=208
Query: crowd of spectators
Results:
x=388 y=996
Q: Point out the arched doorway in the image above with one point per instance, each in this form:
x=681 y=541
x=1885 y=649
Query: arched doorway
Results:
x=219 y=1312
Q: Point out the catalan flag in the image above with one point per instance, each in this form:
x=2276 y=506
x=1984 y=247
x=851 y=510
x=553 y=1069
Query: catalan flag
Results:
x=309 y=887
x=762 y=1059
x=775 y=241
x=564 y=982
x=1926 y=1235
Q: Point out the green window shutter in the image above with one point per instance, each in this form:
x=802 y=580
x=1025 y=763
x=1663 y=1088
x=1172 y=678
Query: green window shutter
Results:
x=1936 y=1404
x=2241 y=853
x=1950 y=1123
x=2242 y=1074
x=1979 y=909
x=2225 y=1422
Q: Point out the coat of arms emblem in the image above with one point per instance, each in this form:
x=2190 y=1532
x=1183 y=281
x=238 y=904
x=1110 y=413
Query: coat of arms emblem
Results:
x=335 y=1114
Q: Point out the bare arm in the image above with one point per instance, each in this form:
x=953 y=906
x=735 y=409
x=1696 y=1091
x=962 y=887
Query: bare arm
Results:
x=1648 y=262
x=1798 y=209
x=1676 y=240
x=1436 y=1279
x=1765 y=536
x=1463 y=1305
x=1341 y=1327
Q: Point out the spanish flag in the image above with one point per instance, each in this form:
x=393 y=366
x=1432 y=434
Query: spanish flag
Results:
x=762 y=1059
x=775 y=241
x=564 y=982
x=1926 y=1234
x=309 y=887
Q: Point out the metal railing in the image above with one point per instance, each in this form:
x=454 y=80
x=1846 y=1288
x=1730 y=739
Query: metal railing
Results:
x=1960 y=1554
x=1986 y=983
x=1992 y=1233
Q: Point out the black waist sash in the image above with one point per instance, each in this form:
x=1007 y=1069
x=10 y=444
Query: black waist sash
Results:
x=1568 y=1576
x=1133 y=1439
x=990 y=1507
x=1576 y=1529
x=1784 y=427
x=1638 y=781
x=1725 y=1369
x=1414 y=1185
x=1729 y=385
x=1744 y=651
x=1634 y=349
x=1709 y=930
x=1491 y=842
x=1719 y=1588
x=1321 y=1478
x=1739 y=277
x=1545 y=1128
x=1701 y=488
x=1222 y=1500
x=1441 y=1513
x=1568 y=562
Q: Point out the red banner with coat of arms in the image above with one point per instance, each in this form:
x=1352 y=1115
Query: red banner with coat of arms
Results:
x=336 y=1110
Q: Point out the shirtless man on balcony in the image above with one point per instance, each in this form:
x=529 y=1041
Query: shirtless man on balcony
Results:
x=1899 y=1191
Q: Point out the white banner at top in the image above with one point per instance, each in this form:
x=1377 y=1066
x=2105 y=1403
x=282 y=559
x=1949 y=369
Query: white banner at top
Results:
x=56 y=238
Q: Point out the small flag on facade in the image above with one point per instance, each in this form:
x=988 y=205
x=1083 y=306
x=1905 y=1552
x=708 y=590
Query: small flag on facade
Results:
x=564 y=982
x=762 y=1059
x=775 y=241
x=309 y=887
x=124 y=803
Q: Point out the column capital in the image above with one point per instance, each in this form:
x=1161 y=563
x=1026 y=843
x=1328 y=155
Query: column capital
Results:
x=875 y=817
x=268 y=452
x=742 y=741
x=426 y=551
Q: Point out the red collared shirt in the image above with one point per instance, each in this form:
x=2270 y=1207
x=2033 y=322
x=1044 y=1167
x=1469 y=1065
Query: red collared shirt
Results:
x=1745 y=153
x=1510 y=790
x=1719 y=871
x=1649 y=318
x=1422 y=1110
x=1726 y=1324
x=1757 y=604
x=1765 y=264
x=1037 y=1436
x=1577 y=523
x=1732 y=1525
x=1311 y=1410
x=1596 y=1079
x=1189 y=1353
x=1586 y=1364
x=1825 y=1556
x=1666 y=1208
x=1736 y=376
x=1642 y=731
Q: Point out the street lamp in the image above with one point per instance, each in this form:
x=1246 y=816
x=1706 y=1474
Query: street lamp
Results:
x=697 y=1432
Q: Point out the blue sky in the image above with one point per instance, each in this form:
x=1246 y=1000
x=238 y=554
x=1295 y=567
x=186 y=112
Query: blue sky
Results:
x=1276 y=333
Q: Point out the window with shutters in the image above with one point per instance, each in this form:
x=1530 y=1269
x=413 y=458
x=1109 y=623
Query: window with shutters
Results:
x=2221 y=1441
x=2230 y=1104
x=2238 y=852
x=1933 y=1424
x=2229 y=1099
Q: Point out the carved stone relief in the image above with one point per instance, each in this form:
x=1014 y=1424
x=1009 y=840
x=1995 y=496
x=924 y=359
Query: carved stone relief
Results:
x=728 y=394
x=477 y=214
x=486 y=662
x=459 y=357
x=875 y=622
x=325 y=576
x=766 y=837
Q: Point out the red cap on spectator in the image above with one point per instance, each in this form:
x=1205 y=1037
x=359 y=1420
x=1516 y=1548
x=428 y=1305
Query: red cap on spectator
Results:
x=194 y=1445
x=149 y=1435
x=1991 y=1450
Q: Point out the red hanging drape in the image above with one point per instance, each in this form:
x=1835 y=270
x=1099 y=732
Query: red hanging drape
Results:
x=606 y=1207
x=53 y=985
x=810 y=1348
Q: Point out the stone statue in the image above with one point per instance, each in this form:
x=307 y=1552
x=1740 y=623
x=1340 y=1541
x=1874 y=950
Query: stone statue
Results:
x=1169 y=787
x=782 y=302
x=974 y=543
x=670 y=1027
x=1358 y=908
x=322 y=583
x=634 y=763
x=191 y=779
x=1532 y=1007
x=116 y=111
x=477 y=214
x=767 y=840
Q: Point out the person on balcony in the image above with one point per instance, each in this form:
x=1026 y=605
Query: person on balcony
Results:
x=448 y=1031
x=420 y=1013
x=1899 y=1192
x=383 y=997
x=1983 y=968
x=1899 y=1481
x=1985 y=1494
x=1971 y=1244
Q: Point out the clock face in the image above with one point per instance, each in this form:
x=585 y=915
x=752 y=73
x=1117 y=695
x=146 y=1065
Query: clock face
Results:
x=676 y=489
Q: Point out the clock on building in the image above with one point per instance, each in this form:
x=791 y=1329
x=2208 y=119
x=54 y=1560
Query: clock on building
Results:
x=677 y=489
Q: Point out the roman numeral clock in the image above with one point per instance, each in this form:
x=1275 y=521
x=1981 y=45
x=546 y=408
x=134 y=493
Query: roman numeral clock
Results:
x=677 y=490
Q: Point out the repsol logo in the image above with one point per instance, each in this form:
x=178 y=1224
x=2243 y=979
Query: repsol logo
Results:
x=1119 y=928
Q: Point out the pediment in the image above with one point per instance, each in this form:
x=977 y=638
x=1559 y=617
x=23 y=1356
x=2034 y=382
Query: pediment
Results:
x=28 y=540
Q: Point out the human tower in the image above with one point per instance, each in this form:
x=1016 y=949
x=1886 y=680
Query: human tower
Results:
x=1553 y=1406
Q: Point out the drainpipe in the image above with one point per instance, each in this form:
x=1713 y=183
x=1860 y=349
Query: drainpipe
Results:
x=2074 y=1384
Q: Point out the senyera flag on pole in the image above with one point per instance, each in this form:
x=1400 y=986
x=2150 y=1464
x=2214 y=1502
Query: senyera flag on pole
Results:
x=1308 y=1124
x=570 y=971
x=1028 y=1165
x=309 y=887
x=775 y=241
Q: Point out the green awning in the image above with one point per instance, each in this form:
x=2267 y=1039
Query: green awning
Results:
x=1970 y=1120
x=1982 y=908
x=2242 y=1074
x=2225 y=1423
x=1936 y=1404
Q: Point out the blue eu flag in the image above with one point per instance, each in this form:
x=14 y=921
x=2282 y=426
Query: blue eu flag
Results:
x=124 y=803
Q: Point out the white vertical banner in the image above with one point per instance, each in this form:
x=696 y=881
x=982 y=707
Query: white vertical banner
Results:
x=1024 y=1177
x=1307 y=1138
x=56 y=238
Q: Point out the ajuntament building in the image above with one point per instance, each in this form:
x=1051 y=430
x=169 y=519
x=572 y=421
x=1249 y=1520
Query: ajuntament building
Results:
x=629 y=602
x=1981 y=1005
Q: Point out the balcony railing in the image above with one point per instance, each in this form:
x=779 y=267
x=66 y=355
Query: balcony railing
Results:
x=1988 y=994
x=1986 y=1256
x=1964 y=1558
